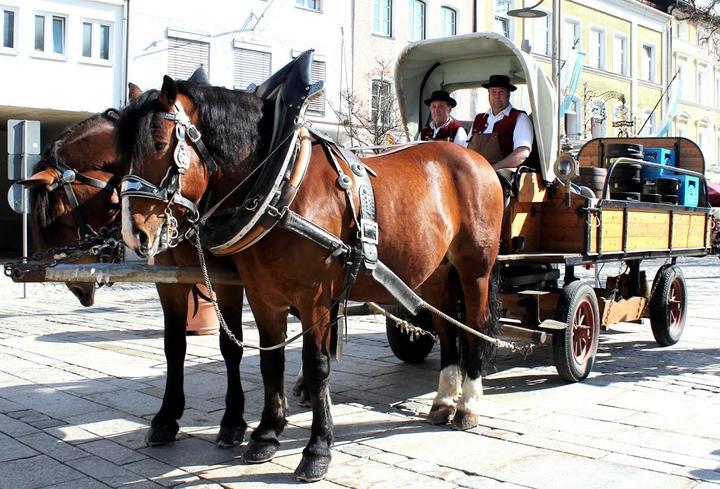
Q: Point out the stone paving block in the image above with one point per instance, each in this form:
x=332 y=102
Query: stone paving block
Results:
x=39 y=471
x=72 y=434
x=14 y=427
x=84 y=483
x=190 y=454
x=7 y=406
x=128 y=401
x=51 y=446
x=478 y=482
x=161 y=473
x=560 y=446
x=357 y=450
x=52 y=402
x=642 y=463
x=706 y=475
x=112 y=452
x=108 y=422
x=12 y=450
x=388 y=458
x=103 y=470
x=258 y=475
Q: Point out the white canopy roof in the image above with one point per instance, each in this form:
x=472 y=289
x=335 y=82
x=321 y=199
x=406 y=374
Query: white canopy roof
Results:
x=467 y=61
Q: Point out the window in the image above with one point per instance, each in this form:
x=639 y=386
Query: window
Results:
x=250 y=66
x=317 y=104
x=703 y=83
x=416 y=20
x=8 y=28
x=682 y=30
x=542 y=30
x=381 y=103
x=620 y=54
x=717 y=93
x=96 y=40
x=681 y=79
x=597 y=48
x=571 y=37
x=448 y=22
x=308 y=4
x=382 y=17
x=186 y=55
x=502 y=19
x=648 y=62
x=50 y=34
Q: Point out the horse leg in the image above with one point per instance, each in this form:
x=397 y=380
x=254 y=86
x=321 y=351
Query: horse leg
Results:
x=164 y=426
x=272 y=324
x=316 y=372
x=436 y=292
x=480 y=317
x=233 y=425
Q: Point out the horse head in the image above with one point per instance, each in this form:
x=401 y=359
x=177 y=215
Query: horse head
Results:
x=73 y=190
x=177 y=143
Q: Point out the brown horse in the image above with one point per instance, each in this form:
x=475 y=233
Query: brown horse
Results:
x=437 y=204
x=87 y=149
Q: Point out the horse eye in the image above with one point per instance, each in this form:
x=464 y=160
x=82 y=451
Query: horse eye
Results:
x=160 y=146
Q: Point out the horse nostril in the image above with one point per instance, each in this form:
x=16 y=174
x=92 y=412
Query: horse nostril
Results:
x=142 y=238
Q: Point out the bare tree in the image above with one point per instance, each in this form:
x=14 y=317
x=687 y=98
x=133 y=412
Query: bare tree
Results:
x=705 y=14
x=371 y=122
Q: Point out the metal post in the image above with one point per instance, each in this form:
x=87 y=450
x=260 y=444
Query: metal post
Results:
x=25 y=200
x=556 y=35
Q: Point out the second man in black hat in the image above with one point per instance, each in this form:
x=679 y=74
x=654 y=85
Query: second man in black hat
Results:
x=503 y=134
x=442 y=126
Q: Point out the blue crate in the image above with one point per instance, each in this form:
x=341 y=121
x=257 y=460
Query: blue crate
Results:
x=662 y=156
x=689 y=192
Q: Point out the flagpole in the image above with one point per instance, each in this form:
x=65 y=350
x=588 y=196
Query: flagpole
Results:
x=660 y=99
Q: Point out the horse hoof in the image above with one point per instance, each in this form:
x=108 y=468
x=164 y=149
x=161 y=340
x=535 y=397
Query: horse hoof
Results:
x=312 y=469
x=440 y=414
x=258 y=452
x=161 y=435
x=464 y=421
x=229 y=437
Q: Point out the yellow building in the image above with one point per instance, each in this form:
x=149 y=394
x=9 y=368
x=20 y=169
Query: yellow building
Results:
x=624 y=43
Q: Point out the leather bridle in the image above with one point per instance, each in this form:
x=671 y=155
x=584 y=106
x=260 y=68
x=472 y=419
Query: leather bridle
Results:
x=169 y=190
x=67 y=176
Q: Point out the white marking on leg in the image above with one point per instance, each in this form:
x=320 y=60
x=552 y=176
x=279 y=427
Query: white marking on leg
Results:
x=472 y=391
x=448 y=387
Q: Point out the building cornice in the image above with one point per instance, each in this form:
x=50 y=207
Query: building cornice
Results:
x=644 y=15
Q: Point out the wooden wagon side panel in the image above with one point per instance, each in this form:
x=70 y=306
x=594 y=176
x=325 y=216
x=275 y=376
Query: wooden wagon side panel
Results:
x=688 y=230
x=563 y=227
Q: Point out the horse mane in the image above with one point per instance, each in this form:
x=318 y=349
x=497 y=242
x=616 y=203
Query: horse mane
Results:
x=231 y=123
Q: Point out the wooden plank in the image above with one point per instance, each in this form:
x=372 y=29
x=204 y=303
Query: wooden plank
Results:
x=688 y=230
x=524 y=221
x=530 y=188
x=613 y=312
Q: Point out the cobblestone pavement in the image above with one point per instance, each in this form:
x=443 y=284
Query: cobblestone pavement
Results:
x=79 y=386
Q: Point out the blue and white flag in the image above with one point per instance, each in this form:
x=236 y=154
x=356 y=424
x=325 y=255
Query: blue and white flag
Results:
x=570 y=78
x=672 y=108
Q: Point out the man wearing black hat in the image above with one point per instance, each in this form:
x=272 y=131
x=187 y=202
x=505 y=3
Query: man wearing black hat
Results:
x=442 y=127
x=503 y=135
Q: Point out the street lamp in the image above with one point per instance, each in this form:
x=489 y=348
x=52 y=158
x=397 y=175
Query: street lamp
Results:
x=531 y=13
x=527 y=12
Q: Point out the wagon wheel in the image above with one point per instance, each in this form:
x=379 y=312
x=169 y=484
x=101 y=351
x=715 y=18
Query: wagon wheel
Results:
x=668 y=306
x=574 y=348
x=406 y=350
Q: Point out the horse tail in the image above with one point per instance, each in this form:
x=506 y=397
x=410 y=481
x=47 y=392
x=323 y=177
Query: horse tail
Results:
x=487 y=351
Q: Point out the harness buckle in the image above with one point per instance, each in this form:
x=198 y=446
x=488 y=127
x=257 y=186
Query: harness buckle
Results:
x=369 y=231
x=193 y=133
x=68 y=176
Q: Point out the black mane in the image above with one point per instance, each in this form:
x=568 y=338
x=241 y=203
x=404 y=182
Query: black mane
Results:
x=231 y=123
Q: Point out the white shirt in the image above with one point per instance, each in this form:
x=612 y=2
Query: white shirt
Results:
x=523 y=133
x=460 y=136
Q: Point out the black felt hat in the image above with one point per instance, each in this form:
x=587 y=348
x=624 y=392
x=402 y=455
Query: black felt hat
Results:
x=500 y=81
x=442 y=96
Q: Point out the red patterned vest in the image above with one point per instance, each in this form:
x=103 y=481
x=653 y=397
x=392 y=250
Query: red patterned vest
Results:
x=503 y=128
x=446 y=132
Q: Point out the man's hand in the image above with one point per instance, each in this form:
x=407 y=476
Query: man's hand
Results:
x=514 y=159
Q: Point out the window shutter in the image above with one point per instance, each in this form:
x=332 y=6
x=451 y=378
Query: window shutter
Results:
x=185 y=55
x=317 y=105
x=250 y=67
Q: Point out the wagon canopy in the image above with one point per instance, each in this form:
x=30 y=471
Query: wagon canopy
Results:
x=467 y=61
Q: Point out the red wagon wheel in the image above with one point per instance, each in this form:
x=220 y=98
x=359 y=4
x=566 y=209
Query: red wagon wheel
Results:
x=574 y=348
x=668 y=306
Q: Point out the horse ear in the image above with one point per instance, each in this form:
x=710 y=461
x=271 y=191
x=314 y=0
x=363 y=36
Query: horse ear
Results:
x=134 y=92
x=168 y=92
x=45 y=177
x=199 y=77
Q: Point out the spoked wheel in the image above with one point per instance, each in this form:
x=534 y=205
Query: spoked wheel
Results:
x=574 y=348
x=411 y=348
x=668 y=306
